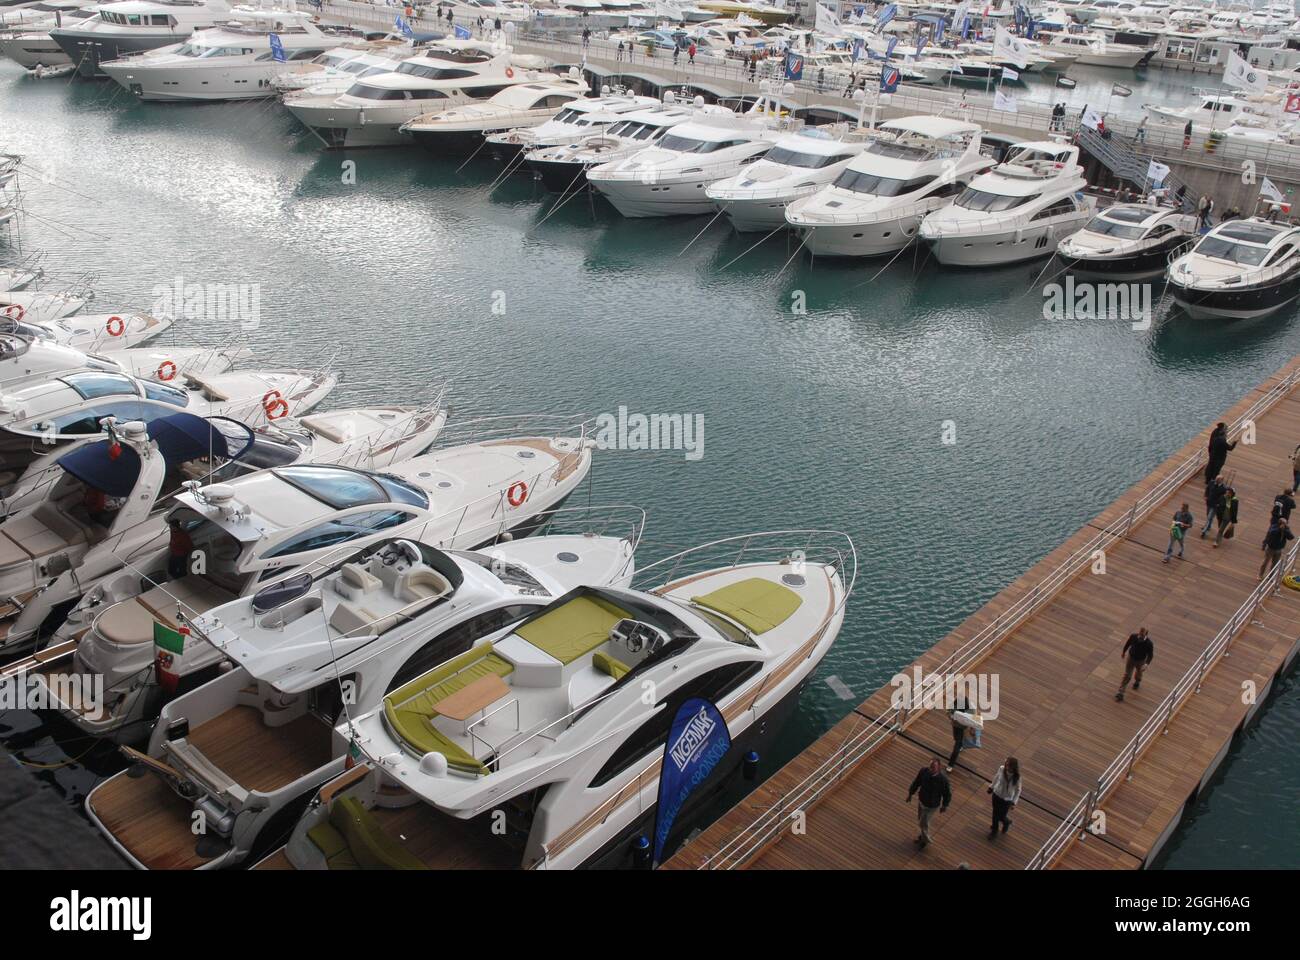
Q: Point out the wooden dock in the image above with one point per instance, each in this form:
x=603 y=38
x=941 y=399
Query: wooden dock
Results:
x=1052 y=638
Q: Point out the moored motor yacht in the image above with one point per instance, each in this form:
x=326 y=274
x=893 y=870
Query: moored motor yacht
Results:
x=31 y=46
x=231 y=61
x=255 y=528
x=25 y=358
x=545 y=721
x=340 y=67
x=96 y=333
x=1017 y=211
x=1094 y=50
x=460 y=130
x=18 y=278
x=1128 y=238
x=305 y=652
x=134 y=26
x=577 y=120
x=670 y=177
x=1240 y=269
x=39 y=307
x=910 y=167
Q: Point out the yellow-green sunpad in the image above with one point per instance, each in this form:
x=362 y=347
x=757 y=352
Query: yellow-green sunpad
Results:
x=573 y=628
x=758 y=605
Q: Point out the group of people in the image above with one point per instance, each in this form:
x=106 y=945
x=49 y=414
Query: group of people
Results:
x=933 y=795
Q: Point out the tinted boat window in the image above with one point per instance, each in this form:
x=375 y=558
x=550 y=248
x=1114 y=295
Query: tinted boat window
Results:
x=334 y=486
x=92 y=385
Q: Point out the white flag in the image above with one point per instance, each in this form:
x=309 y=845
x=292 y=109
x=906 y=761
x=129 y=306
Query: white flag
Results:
x=1002 y=102
x=1240 y=74
x=1268 y=189
x=1010 y=47
x=1009 y=74
x=828 y=23
x=1156 y=172
x=1091 y=119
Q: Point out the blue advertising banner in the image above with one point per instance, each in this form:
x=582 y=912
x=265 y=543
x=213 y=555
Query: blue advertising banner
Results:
x=888 y=80
x=697 y=742
x=793 y=67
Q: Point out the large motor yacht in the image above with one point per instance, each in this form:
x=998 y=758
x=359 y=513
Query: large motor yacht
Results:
x=914 y=165
x=1017 y=211
x=577 y=120
x=29 y=44
x=543 y=725
x=1240 y=269
x=460 y=130
x=1128 y=238
x=232 y=61
x=134 y=26
x=1094 y=50
x=335 y=70
x=443 y=75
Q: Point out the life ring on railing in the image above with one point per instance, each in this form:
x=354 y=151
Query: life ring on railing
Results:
x=166 y=370
x=517 y=493
x=115 y=326
x=272 y=402
x=1292 y=581
x=510 y=73
x=15 y=311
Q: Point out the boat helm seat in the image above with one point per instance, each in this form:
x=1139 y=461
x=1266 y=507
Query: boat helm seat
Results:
x=352 y=621
x=421 y=583
x=354 y=581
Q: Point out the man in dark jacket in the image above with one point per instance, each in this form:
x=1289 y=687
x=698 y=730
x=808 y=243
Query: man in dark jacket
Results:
x=935 y=795
x=1283 y=504
x=1138 y=651
x=1218 y=451
x=1274 y=543
x=1226 y=514
x=1214 y=491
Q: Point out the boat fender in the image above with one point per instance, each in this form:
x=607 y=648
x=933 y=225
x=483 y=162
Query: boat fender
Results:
x=115 y=326
x=1291 y=581
x=510 y=73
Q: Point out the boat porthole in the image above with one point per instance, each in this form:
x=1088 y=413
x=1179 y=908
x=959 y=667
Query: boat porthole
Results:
x=444 y=483
x=885 y=234
x=566 y=556
x=794 y=580
x=858 y=236
x=526 y=454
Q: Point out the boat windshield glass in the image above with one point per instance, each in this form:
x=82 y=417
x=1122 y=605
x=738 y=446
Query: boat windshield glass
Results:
x=874 y=184
x=809 y=161
x=679 y=144
x=1109 y=228
x=1222 y=249
x=985 y=202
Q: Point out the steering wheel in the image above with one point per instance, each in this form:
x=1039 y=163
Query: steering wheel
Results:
x=411 y=551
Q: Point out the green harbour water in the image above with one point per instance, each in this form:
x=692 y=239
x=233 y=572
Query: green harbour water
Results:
x=827 y=417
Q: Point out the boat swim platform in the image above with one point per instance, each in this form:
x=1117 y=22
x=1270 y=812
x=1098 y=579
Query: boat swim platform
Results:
x=1053 y=637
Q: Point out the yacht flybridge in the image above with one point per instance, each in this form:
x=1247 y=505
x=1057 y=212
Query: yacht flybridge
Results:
x=460 y=130
x=1017 y=211
x=444 y=74
x=1240 y=269
x=253 y=529
x=134 y=26
x=308 y=651
x=231 y=61
x=546 y=719
x=577 y=120
x=909 y=168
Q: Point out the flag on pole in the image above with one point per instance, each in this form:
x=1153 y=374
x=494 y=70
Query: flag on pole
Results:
x=1009 y=74
x=1292 y=103
x=462 y=33
x=403 y=27
x=888 y=79
x=886 y=15
x=857 y=49
x=1011 y=48
x=1156 y=172
x=828 y=23
x=1002 y=102
x=1091 y=118
x=965 y=28
x=277 y=48
x=169 y=650
x=1240 y=74
x=793 y=66
x=1269 y=191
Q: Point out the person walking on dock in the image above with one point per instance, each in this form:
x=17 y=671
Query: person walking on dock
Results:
x=1140 y=135
x=933 y=794
x=690 y=52
x=1226 y=515
x=1274 y=543
x=1005 y=790
x=586 y=38
x=1295 y=469
x=1214 y=492
x=1139 y=649
x=1187 y=135
x=1218 y=451
x=1183 y=521
x=1283 y=504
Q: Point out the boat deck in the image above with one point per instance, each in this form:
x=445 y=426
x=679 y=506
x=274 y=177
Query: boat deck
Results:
x=1053 y=640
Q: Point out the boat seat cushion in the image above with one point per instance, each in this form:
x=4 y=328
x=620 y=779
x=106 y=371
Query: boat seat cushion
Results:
x=323 y=426
x=131 y=621
x=756 y=604
x=417 y=731
x=575 y=628
x=355 y=581
x=327 y=839
x=609 y=665
x=420 y=583
x=369 y=844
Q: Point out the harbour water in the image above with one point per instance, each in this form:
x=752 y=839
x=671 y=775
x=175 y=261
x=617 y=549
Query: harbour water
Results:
x=824 y=387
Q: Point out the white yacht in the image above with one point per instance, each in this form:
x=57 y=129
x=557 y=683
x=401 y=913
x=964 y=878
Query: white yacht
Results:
x=306 y=652
x=670 y=177
x=577 y=120
x=30 y=44
x=256 y=528
x=797 y=166
x=1128 y=238
x=1240 y=269
x=372 y=111
x=1232 y=115
x=1094 y=50
x=96 y=333
x=19 y=277
x=1017 y=211
x=911 y=167
x=231 y=61
x=339 y=67
x=133 y=26
x=40 y=307
x=40 y=16
x=557 y=733
x=460 y=130
x=562 y=168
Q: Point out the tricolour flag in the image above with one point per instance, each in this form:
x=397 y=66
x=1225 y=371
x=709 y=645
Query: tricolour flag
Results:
x=169 y=650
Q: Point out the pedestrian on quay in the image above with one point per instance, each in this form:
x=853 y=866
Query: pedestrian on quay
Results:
x=1140 y=134
x=1274 y=543
x=1138 y=651
x=1226 y=515
x=1295 y=469
x=1005 y=790
x=959 y=705
x=618 y=53
x=1183 y=521
x=1187 y=135
x=1218 y=451
x=933 y=794
x=1283 y=504
x=1214 y=491
x=690 y=53
x=586 y=37
x=677 y=52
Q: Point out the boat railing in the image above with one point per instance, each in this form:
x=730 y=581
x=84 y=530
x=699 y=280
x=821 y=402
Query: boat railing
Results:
x=462 y=432
x=373 y=449
x=870 y=734
x=1082 y=819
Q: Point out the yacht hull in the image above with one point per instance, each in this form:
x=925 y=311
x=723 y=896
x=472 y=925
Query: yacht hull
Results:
x=558 y=176
x=861 y=239
x=447 y=143
x=755 y=216
x=1242 y=304
x=1152 y=260
x=31 y=51
x=1000 y=249
x=249 y=82
x=672 y=198
x=353 y=127
x=88 y=49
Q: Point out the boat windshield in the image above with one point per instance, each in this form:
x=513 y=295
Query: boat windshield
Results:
x=679 y=144
x=1109 y=228
x=985 y=202
x=876 y=185
x=792 y=158
x=1221 y=249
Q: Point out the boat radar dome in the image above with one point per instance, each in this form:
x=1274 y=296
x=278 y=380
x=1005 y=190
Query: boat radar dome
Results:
x=434 y=764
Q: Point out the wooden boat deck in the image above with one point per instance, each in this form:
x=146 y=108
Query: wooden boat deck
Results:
x=1058 y=671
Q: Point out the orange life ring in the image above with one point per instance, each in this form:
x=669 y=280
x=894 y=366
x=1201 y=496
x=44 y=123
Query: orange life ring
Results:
x=510 y=72
x=15 y=311
x=115 y=326
x=166 y=370
x=273 y=401
x=517 y=493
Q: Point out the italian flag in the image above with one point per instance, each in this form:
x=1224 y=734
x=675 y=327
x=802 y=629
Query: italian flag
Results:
x=169 y=648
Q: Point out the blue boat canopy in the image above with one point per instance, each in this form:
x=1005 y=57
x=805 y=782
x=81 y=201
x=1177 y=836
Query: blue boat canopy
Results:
x=180 y=437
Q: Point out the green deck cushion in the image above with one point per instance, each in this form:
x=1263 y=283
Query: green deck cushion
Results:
x=418 y=731
x=758 y=605
x=606 y=664
x=372 y=848
x=577 y=627
x=328 y=840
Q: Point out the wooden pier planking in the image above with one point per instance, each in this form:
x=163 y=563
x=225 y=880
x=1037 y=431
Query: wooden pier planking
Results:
x=1058 y=672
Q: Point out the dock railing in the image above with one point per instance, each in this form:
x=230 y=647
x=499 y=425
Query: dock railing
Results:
x=751 y=839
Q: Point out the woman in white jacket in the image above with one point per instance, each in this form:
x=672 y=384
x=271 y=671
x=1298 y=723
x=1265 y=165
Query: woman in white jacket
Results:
x=1005 y=789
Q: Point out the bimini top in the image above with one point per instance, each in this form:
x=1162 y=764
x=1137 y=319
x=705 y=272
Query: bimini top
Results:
x=180 y=437
x=936 y=127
